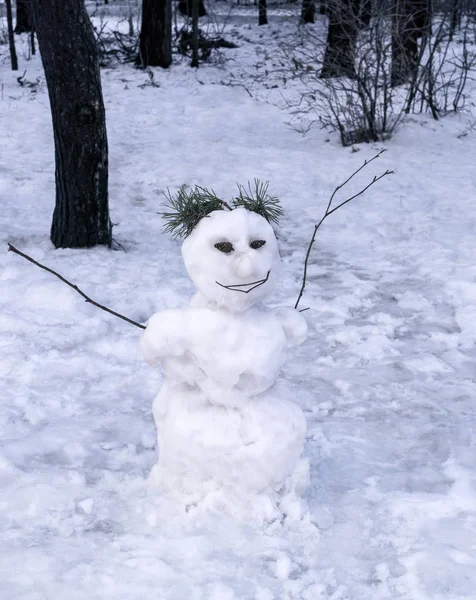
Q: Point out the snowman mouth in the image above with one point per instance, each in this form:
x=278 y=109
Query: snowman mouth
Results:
x=239 y=286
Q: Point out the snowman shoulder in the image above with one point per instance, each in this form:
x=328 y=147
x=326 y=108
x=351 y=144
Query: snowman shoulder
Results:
x=293 y=323
x=164 y=335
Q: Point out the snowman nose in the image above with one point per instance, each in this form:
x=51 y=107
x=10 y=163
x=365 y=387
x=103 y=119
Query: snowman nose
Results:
x=244 y=266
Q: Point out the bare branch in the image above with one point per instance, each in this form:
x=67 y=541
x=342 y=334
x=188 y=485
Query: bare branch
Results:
x=374 y=180
x=329 y=211
x=75 y=287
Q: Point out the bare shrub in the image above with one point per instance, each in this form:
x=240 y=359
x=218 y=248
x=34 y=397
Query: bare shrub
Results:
x=206 y=43
x=210 y=36
x=117 y=29
x=362 y=106
x=367 y=103
x=447 y=66
x=114 y=45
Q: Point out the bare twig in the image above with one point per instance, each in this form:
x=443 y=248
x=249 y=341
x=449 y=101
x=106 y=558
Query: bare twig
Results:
x=75 y=287
x=471 y=127
x=329 y=211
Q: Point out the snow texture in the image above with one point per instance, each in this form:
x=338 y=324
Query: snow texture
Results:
x=386 y=377
x=224 y=428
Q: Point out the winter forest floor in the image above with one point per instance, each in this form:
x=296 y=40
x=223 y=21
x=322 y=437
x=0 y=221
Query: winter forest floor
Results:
x=387 y=376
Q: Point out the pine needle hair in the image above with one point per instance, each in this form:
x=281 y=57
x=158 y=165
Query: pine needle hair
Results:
x=183 y=210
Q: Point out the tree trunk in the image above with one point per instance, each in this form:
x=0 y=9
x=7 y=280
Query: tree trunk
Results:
x=185 y=8
x=422 y=17
x=411 y=20
x=155 y=45
x=404 y=43
x=194 y=62
x=365 y=13
x=339 y=57
x=308 y=11
x=24 y=16
x=32 y=42
x=70 y=59
x=262 y=13
x=11 y=39
x=455 y=10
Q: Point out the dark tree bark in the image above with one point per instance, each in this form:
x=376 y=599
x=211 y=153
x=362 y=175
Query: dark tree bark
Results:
x=422 y=17
x=455 y=16
x=194 y=62
x=339 y=57
x=155 y=44
x=185 y=8
x=24 y=16
x=70 y=59
x=32 y=42
x=11 y=38
x=404 y=43
x=308 y=11
x=262 y=13
x=365 y=12
x=411 y=20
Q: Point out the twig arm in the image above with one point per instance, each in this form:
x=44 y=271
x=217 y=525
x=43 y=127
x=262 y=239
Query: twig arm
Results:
x=304 y=277
x=75 y=287
x=330 y=210
x=374 y=180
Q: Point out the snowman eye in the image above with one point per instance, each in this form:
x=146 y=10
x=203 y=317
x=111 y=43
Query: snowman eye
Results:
x=255 y=244
x=225 y=247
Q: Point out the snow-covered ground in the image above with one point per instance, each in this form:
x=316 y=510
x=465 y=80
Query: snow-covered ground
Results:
x=387 y=377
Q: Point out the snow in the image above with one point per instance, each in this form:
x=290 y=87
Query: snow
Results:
x=386 y=377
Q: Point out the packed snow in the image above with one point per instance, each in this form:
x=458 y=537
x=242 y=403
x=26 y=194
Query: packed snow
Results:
x=386 y=378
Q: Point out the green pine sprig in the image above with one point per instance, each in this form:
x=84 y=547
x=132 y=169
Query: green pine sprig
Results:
x=188 y=206
x=185 y=209
x=258 y=200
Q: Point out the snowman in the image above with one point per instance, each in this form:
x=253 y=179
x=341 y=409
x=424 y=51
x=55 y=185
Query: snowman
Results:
x=227 y=433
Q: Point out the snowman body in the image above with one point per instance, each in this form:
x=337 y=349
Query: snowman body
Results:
x=223 y=424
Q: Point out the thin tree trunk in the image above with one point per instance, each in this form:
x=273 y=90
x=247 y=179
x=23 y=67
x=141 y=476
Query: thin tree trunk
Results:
x=339 y=57
x=308 y=11
x=411 y=20
x=70 y=59
x=422 y=17
x=262 y=13
x=185 y=7
x=11 y=38
x=194 y=62
x=455 y=10
x=365 y=12
x=155 y=45
x=24 y=16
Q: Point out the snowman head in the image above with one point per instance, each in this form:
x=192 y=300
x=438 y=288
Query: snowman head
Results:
x=230 y=250
x=232 y=257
